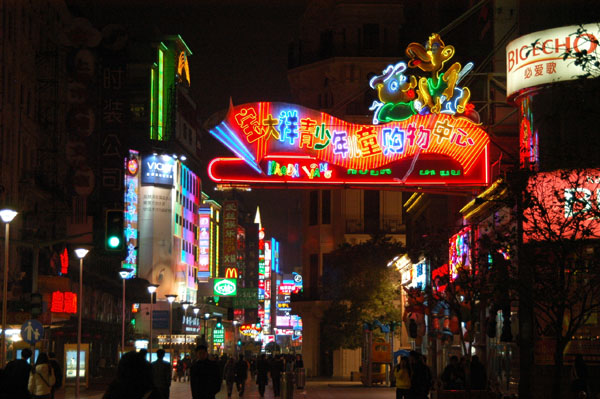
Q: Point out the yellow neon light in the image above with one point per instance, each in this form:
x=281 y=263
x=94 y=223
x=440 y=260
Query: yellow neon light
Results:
x=183 y=66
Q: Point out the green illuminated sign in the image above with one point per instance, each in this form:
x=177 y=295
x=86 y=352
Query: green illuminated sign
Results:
x=219 y=336
x=225 y=287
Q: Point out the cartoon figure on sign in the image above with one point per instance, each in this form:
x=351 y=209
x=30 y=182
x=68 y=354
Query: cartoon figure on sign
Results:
x=396 y=94
x=439 y=93
x=29 y=330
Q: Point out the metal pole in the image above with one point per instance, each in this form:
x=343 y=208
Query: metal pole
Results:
x=5 y=294
x=183 y=325
x=171 y=332
x=123 y=322
x=77 y=384
x=150 y=340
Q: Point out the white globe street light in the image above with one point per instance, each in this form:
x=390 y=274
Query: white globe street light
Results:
x=151 y=289
x=171 y=298
x=81 y=253
x=7 y=216
x=124 y=273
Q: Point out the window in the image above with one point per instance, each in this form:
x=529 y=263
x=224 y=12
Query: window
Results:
x=326 y=207
x=370 y=36
x=371 y=211
x=313 y=215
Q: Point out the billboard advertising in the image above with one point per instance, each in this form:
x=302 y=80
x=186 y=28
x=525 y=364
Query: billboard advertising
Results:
x=158 y=170
x=563 y=204
x=225 y=287
x=204 y=239
x=543 y=57
x=130 y=211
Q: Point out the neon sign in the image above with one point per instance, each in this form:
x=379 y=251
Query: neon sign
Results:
x=63 y=302
x=430 y=134
x=130 y=203
x=204 y=239
x=460 y=251
x=225 y=287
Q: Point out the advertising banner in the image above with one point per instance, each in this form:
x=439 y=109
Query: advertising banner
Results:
x=158 y=170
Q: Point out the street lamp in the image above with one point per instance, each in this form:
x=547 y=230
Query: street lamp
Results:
x=185 y=306
x=171 y=298
x=151 y=289
x=81 y=253
x=196 y=311
x=7 y=216
x=206 y=317
x=124 y=273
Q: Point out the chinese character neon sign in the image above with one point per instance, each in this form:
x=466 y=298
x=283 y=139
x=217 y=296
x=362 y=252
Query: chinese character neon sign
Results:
x=425 y=133
x=63 y=302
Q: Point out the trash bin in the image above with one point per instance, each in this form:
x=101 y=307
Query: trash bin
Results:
x=300 y=378
x=287 y=385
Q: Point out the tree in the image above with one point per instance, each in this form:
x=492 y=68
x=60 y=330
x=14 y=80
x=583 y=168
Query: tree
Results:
x=361 y=288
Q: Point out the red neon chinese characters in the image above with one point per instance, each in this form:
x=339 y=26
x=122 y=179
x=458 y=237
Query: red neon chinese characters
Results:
x=63 y=302
x=64 y=261
x=367 y=142
x=247 y=120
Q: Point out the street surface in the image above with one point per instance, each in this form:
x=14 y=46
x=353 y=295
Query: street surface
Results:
x=314 y=390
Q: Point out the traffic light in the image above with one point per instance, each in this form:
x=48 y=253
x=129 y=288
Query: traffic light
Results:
x=36 y=305
x=219 y=323
x=114 y=230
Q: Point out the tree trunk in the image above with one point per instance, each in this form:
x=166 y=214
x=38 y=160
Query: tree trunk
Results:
x=557 y=385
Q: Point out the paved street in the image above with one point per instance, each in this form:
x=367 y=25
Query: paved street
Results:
x=314 y=390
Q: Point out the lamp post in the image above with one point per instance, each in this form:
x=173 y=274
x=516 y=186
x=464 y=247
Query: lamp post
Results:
x=196 y=311
x=235 y=335
x=7 y=216
x=171 y=298
x=185 y=306
x=124 y=273
x=151 y=289
x=81 y=253
x=206 y=317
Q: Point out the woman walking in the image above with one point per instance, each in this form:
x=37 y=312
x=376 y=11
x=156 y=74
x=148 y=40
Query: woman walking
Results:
x=402 y=374
x=41 y=378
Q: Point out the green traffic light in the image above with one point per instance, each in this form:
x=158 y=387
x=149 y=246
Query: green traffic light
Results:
x=114 y=242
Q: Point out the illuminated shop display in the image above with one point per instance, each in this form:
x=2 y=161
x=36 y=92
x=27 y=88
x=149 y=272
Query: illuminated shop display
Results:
x=130 y=202
x=426 y=133
x=539 y=58
x=63 y=302
x=565 y=204
x=460 y=251
x=225 y=287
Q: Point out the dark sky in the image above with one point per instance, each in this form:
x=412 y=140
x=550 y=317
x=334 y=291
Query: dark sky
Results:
x=240 y=52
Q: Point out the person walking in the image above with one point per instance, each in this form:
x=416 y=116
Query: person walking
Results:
x=453 y=377
x=229 y=376
x=478 y=374
x=276 y=370
x=205 y=378
x=402 y=373
x=41 y=378
x=241 y=375
x=420 y=379
x=134 y=379
x=161 y=374
x=15 y=377
x=262 y=374
x=58 y=376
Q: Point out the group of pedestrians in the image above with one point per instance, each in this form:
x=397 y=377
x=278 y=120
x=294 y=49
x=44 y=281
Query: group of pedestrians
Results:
x=413 y=377
x=454 y=376
x=20 y=380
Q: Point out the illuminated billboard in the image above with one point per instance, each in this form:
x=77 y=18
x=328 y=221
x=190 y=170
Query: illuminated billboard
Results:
x=563 y=204
x=224 y=287
x=204 y=239
x=130 y=203
x=541 y=58
x=424 y=133
x=460 y=256
x=158 y=170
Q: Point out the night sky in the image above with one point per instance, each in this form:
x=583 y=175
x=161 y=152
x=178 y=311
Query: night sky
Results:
x=240 y=51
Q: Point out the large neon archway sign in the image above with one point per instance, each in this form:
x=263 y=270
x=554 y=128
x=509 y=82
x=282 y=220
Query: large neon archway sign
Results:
x=424 y=137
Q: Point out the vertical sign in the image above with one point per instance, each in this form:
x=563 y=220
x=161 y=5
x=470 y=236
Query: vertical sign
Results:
x=460 y=251
x=261 y=279
x=130 y=201
x=230 y=224
x=204 y=239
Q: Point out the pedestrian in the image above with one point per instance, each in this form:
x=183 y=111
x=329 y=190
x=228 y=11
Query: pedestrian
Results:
x=57 y=373
x=262 y=374
x=161 y=374
x=579 y=385
x=420 y=379
x=15 y=377
x=453 y=377
x=478 y=374
x=276 y=370
x=180 y=370
x=402 y=373
x=241 y=375
x=229 y=376
x=205 y=378
x=41 y=378
x=299 y=362
x=187 y=365
x=134 y=379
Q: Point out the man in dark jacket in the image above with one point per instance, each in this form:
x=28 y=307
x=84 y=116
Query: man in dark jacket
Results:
x=58 y=374
x=16 y=377
x=276 y=370
x=205 y=378
x=241 y=374
x=420 y=380
x=161 y=374
x=262 y=374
